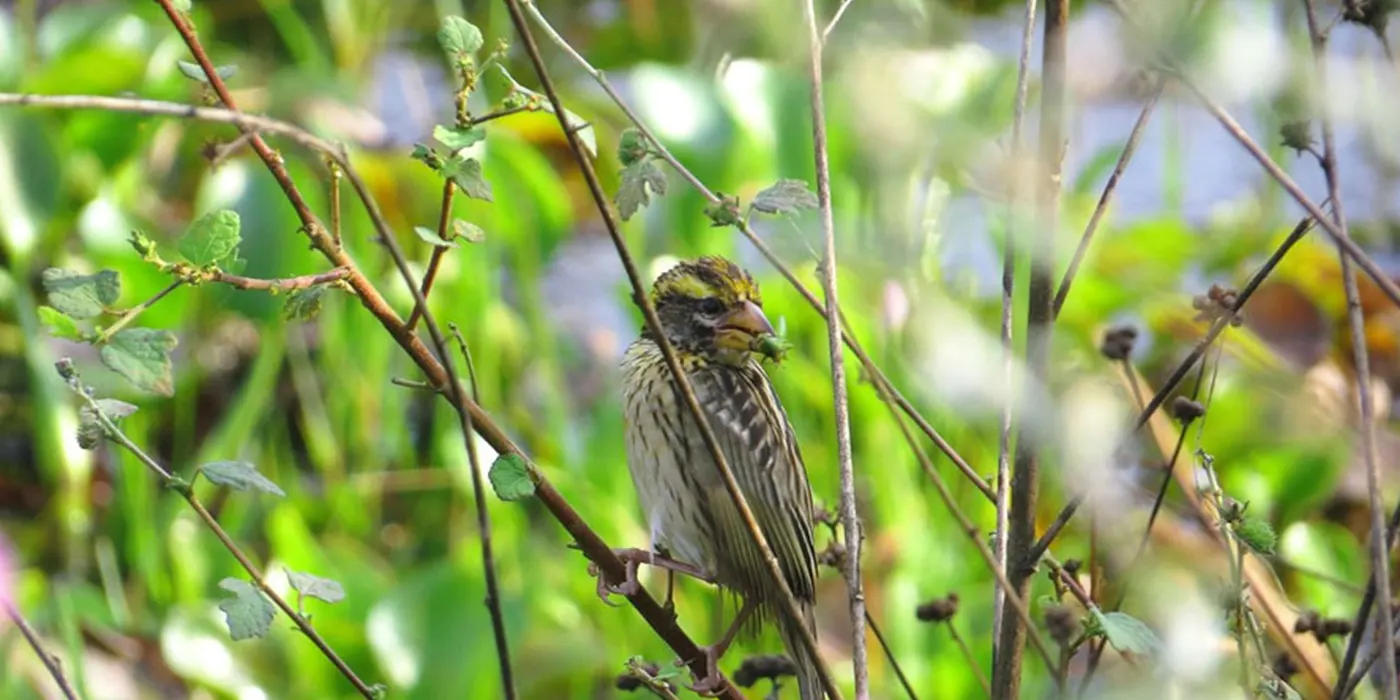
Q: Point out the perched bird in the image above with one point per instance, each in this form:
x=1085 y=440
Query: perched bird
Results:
x=711 y=312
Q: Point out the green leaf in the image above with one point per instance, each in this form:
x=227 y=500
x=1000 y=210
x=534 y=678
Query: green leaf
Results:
x=725 y=212
x=457 y=138
x=59 y=324
x=640 y=180
x=585 y=130
x=303 y=304
x=183 y=5
x=1257 y=533
x=510 y=477
x=90 y=430
x=323 y=589
x=142 y=355
x=466 y=175
x=468 y=231
x=1126 y=633
x=195 y=72
x=459 y=38
x=248 y=613
x=81 y=296
x=240 y=476
x=784 y=197
x=431 y=236
x=211 y=238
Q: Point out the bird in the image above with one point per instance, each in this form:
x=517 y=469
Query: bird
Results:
x=711 y=311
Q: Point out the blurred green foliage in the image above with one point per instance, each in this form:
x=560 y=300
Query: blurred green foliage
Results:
x=124 y=580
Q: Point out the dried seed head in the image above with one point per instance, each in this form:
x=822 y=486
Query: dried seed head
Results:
x=756 y=668
x=1061 y=623
x=938 y=609
x=1118 y=342
x=1186 y=410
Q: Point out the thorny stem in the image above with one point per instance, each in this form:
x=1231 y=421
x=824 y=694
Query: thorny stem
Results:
x=1025 y=472
x=850 y=518
x=168 y=480
x=1380 y=549
x=126 y=318
x=593 y=546
x=788 y=601
x=51 y=662
x=1008 y=308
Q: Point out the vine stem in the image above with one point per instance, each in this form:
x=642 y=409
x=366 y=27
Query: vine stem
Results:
x=51 y=662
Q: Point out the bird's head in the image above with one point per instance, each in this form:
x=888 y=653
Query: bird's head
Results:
x=710 y=307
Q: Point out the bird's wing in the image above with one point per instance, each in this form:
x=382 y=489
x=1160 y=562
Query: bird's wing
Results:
x=759 y=444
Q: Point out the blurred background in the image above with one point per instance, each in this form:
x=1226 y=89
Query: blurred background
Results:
x=122 y=579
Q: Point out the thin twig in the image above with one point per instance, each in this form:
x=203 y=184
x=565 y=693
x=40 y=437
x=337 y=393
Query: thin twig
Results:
x=889 y=654
x=429 y=276
x=51 y=662
x=973 y=533
x=1380 y=552
x=971 y=660
x=682 y=382
x=483 y=524
x=850 y=519
x=830 y=26
x=1109 y=188
x=1025 y=471
x=131 y=314
x=170 y=481
x=286 y=284
x=1008 y=312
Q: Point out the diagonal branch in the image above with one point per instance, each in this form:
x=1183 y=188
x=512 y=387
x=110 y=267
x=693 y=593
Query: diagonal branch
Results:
x=51 y=662
x=707 y=434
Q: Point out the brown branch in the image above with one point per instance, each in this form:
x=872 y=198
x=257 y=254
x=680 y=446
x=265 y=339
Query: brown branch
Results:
x=1380 y=550
x=288 y=284
x=51 y=662
x=1025 y=474
x=850 y=518
x=444 y=221
x=1008 y=313
x=687 y=392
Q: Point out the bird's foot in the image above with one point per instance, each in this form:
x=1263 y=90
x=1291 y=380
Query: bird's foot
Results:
x=714 y=682
x=631 y=559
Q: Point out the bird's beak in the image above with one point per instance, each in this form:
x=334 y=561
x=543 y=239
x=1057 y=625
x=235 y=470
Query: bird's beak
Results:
x=738 y=328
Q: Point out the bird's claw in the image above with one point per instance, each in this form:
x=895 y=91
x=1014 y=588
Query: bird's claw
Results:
x=714 y=682
x=629 y=585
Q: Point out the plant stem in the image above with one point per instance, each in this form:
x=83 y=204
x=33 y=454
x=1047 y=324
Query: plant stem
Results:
x=126 y=318
x=51 y=662
x=850 y=518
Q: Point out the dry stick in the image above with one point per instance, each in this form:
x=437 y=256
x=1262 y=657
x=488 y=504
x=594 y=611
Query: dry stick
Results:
x=429 y=276
x=50 y=661
x=873 y=370
x=1109 y=189
x=971 y=660
x=1380 y=551
x=889 y=654
x=1008 y=308
x=170 y=481
x=1025 y=475
x=850 y=519
x=973 y=533
x=589 y=542
x=789 y=602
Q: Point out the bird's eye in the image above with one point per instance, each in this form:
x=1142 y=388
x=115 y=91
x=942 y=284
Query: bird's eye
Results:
x=711 y=306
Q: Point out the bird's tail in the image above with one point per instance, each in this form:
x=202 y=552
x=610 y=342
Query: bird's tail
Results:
x=809 y=679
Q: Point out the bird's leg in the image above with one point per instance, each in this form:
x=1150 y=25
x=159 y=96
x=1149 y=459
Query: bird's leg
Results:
x=632 y=558
x=713 y=682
